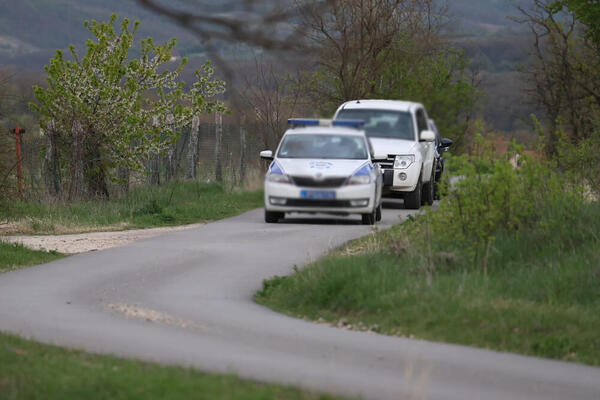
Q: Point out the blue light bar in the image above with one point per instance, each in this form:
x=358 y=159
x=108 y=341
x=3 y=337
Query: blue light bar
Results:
x=351 y=123
x=303 y=122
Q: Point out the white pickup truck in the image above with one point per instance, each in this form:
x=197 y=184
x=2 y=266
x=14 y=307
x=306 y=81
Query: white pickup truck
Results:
x=403 y=145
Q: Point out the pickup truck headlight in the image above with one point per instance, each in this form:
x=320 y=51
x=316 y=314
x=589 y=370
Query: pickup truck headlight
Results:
x=360 y=177
x=404 y=161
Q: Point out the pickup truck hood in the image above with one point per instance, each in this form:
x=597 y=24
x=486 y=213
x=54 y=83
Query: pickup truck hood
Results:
x=324 y=168
x=382 y=147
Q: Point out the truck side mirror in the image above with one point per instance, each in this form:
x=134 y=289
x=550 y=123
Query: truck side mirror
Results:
x=427 y=136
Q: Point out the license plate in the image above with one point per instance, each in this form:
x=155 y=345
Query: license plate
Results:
x=318 y=194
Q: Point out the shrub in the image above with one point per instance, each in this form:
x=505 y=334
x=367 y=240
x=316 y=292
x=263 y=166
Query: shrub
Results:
x=492 y=198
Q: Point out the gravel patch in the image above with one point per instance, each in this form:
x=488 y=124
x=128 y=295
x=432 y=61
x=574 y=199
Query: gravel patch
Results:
x=83 y=242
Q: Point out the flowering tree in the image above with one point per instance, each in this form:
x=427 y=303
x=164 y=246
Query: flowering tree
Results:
x=107 y=109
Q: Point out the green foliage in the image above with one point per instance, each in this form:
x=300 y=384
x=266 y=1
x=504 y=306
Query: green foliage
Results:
x=493 y=198
x=13 y=256
x=175 y=203
x=111 y=110
x=440 y=79
x=587 y=11
x=33 y=370
x=544 y=304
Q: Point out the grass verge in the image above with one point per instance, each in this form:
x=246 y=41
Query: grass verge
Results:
x=175 y=203
x=30 y=370
x=534 y=296
x=13 y=256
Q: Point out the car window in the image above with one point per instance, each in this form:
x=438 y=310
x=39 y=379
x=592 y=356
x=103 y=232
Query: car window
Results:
x=382 y=123
x=323 y=146
x=421 y=121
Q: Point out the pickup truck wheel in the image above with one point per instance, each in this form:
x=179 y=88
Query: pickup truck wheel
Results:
x=378 y=213
x=428 y=195
x=272 y=217
x=412 y=200
x=369 y=219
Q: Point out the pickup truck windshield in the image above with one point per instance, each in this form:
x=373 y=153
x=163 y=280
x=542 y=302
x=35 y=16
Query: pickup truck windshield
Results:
x=323 y=147
x=383 y=123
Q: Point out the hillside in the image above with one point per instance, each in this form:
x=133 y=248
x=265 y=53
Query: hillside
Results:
x=31 y=27
x=32 y=30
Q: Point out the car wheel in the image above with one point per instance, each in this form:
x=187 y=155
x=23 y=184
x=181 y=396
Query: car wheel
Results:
x=272 y=217
x=428 y=195
x=369 y=219
x=378 y=213
x=412 y=200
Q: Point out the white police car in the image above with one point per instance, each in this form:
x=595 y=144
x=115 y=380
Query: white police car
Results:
x=322 y=166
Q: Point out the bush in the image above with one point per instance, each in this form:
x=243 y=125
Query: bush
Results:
x=492 y=198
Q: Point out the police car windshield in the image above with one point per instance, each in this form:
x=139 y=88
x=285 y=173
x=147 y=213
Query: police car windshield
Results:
x=323 y=147
x=382 y=123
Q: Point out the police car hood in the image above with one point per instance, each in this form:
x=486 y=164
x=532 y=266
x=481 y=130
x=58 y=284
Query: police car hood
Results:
x=321 y=168
x=383 y=147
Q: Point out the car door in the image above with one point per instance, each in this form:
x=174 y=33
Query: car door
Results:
x=427 y=148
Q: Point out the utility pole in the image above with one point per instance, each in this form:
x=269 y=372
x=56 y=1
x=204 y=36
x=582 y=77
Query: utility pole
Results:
x=18 y=132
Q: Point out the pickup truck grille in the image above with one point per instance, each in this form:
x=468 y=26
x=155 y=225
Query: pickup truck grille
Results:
x=325 y=183
x=386 y=162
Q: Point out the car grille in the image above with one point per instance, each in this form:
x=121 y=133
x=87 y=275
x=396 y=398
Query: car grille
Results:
x=325 y=183
x=317 y=203
x=386 y=162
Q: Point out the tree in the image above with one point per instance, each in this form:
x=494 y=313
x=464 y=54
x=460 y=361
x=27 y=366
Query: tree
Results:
x=271 y=98
x=564 y=74
x=586 y=11
x=388 y=49
x=109 y=110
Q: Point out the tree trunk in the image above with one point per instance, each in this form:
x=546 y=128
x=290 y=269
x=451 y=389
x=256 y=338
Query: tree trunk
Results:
x=123 y=175
x=218 y=150
x=95 y=172
x=51 y=165
x=192 y=156
x=77 y=176
x=155 y=170
x=242 y=149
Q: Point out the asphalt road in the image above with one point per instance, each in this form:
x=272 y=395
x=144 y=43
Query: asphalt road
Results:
x=186 y=299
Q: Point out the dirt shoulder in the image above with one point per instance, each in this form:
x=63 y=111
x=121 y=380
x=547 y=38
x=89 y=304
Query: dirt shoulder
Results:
x=82 y=242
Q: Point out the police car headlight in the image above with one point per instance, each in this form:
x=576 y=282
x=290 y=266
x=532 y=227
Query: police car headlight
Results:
x=361 y=177
x=278 y=178
x=404 y=161
x=359 y=180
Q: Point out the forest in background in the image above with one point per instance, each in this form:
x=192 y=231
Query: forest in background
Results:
x=478 y=46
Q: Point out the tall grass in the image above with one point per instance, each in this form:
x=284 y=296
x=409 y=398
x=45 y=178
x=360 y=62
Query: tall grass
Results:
x=149 y=206
x=31 y=370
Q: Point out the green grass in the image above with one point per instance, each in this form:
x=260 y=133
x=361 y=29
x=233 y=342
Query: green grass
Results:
x=175 y=203
x=537 y=297
x=30 y=370
x=13 y=256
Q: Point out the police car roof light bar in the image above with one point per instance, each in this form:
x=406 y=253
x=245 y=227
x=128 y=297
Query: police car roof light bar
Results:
x=303 y=122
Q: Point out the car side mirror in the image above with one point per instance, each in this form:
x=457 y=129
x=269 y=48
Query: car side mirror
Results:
x=427 y=136
x=446 y=143
x=266 y=155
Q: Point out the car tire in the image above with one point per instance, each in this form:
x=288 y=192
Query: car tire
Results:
x=428 y=194
x=378 y=213
x=272 y=217
x=369 y=219
x=412 y=200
